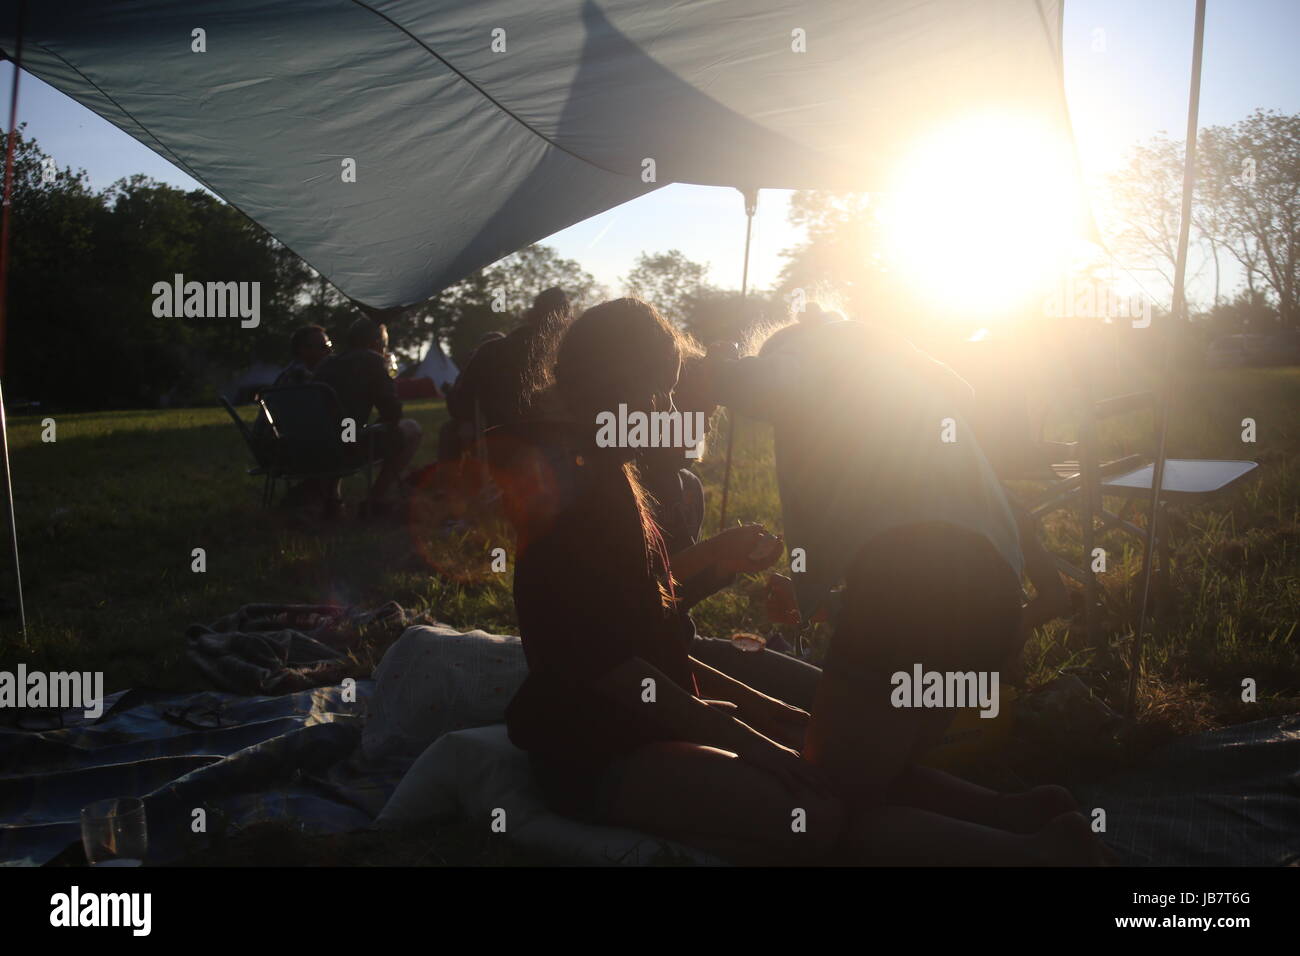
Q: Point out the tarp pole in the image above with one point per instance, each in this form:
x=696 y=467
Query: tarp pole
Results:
x=1177 y=316
x=751 y=207
x=11 y=139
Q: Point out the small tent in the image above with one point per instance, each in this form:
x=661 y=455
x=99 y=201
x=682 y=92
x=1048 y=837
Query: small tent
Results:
x=430 y=377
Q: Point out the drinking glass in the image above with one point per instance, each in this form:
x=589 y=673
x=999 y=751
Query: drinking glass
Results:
x=113 y=832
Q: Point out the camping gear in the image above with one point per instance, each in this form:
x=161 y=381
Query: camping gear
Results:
x=1087 y=483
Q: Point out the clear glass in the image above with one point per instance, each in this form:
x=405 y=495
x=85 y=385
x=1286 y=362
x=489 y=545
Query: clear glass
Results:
x=114 y=832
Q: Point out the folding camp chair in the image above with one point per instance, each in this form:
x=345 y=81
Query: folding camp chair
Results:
x=307 y=437
x=260 y=450
x=1087 y=483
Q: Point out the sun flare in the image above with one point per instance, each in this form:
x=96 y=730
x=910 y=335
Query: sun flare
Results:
x=983 y=214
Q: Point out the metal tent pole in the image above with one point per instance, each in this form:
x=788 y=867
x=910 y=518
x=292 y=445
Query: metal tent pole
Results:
x=751 y=207
x=1177 y=316
x=10 y=141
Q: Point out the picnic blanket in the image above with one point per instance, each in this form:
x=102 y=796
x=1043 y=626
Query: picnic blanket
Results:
x=335 y=759
x=242 y=760
x=1229 y=797
x=279 y=648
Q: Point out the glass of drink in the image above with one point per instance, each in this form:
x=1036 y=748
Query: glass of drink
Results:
x=114 y=833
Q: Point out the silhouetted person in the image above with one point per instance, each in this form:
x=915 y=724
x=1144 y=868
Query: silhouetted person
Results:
x=361 y=380
x=309 y=346
x=498 y=381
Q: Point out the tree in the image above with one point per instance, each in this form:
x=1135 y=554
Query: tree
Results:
x=516 y=279
x=1246 y=203
x=1252 y=171
x=670 y=282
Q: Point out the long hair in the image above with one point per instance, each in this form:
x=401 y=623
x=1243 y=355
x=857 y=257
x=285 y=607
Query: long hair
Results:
x=547 y=319
x=620 y=352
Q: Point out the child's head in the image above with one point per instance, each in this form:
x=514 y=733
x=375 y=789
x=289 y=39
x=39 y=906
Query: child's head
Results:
x=620 y=352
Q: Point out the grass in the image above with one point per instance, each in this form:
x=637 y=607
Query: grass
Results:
x=109 y=513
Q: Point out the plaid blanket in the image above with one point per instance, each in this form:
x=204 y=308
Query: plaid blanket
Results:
x=242 y=760
x=279 y=648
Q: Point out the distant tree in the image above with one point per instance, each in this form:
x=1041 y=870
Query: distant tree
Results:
x=670 y=282
x=516 y=279
x=1247 y=313
x=1246 y=204
x=1252 y=171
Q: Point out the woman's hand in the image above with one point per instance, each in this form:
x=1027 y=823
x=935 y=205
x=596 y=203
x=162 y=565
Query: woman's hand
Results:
x=779 y=601
x=745 y=549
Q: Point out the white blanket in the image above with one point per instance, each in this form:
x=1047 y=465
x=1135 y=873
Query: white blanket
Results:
x=440 y=696
x=479 y=776
x=434 y=680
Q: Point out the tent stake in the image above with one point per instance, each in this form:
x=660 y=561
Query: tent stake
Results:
x=751 y=207
x=1177 y=315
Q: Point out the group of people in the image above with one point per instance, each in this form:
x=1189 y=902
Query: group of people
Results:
x=362 y=384
x=907 y=546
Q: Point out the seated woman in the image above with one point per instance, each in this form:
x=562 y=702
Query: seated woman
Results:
x=706 y=566
x=611 y=714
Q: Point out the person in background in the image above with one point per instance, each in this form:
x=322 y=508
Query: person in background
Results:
x=496 y=383
x=309 y=346
x=456 y=436
x=362 y=380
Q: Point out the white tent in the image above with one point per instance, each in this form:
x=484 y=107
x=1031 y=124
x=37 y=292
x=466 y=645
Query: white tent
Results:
x=436 y=366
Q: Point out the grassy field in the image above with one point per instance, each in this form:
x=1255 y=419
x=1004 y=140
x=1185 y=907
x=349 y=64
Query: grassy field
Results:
x=109 y=513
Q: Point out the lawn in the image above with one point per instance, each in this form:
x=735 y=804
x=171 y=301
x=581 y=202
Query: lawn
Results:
x=110 y=512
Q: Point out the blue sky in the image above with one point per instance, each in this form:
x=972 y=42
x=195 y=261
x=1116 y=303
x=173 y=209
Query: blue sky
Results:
x=1133 y=89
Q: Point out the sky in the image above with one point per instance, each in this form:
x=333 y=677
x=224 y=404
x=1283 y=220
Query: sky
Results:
x=1123 y=86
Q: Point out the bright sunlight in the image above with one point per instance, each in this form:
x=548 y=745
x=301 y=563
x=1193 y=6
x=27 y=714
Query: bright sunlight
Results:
x=984 y=215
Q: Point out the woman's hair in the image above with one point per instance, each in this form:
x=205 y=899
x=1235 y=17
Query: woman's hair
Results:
x=620 y=352
x=548 y=317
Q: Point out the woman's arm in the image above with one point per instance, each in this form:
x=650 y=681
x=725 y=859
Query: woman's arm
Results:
x=776 y=719
x=679 y=713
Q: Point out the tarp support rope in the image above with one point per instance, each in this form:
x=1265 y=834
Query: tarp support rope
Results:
x=4 y=300
x=751 y=207
x=1176 y=317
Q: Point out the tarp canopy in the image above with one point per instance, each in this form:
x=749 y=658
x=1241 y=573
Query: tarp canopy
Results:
x=480 y=126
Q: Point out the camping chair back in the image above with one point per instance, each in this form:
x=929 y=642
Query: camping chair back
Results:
x=259 y=450
x=307 y=426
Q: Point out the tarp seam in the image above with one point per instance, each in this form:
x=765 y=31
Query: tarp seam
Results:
x=484 y=93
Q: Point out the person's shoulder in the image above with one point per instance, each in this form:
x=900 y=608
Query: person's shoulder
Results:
x=328 y=365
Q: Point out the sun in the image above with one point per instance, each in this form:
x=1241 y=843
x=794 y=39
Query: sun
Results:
x=983 y=214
